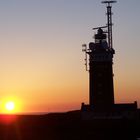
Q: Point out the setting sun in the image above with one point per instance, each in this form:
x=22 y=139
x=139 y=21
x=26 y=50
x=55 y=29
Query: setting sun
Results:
x=10 y=106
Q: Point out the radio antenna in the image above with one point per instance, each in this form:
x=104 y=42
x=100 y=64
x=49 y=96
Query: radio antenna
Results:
x=109 y=21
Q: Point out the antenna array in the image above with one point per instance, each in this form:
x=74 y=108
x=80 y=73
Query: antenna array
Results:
x=109 y=21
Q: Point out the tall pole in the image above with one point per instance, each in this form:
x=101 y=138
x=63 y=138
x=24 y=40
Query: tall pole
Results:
x=109 y=22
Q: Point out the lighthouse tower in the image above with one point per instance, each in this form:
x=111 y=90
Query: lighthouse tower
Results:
x=99 y=62
x=101 y=72
x=100 y=53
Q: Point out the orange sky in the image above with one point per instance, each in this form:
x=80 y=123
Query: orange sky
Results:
x=41 y=62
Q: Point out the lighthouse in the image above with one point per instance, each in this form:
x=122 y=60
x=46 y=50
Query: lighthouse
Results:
x=101 y=93
x=99 y=63
x=100 y=54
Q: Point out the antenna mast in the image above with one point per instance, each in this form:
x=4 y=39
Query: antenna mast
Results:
x=109 y=21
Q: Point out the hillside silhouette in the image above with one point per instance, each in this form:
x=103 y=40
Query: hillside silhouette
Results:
x=68 y=126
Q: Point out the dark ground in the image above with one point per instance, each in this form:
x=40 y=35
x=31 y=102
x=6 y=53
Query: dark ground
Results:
x=67 y=126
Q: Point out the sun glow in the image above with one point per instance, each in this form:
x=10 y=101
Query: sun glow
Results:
x=10 y=106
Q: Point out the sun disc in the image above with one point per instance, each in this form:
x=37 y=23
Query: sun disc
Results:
x=10 y=106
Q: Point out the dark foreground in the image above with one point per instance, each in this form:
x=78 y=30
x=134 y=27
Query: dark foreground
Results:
x=67 y=126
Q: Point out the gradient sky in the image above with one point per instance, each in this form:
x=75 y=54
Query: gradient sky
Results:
x=41 y=62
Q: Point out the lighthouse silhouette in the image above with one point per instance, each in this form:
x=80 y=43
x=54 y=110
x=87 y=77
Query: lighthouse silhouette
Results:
x=99 y=62
x=101 y=72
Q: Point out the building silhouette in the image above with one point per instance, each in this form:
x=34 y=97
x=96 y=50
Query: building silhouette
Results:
x=101 y=88
x=101 y=73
